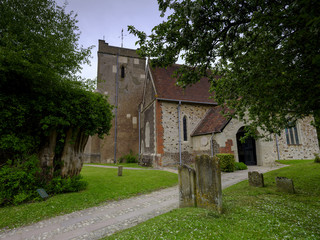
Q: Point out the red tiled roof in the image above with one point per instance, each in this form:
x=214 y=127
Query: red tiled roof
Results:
x=213 y=122
x=166 y=88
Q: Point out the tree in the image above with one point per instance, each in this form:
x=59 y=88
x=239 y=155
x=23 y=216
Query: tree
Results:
x=266 y=54
x=45 y=109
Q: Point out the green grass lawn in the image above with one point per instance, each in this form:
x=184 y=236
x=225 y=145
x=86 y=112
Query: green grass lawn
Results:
x=249 y=213
x=103 y=185
x=131 y=165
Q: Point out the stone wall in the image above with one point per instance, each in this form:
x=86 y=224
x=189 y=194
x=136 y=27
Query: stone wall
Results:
x=201 y=145
x=308 y=142
x=129 y=97
x=226 y=142
x=92 y=150
x=148 y=130
x=149 y=92
x=266 y=149
x=194 y=114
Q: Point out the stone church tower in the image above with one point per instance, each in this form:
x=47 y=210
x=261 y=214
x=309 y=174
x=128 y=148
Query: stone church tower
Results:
x=121 y=76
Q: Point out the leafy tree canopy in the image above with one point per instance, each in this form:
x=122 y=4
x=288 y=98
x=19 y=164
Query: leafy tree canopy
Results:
x=265 y=52
x=39 y=93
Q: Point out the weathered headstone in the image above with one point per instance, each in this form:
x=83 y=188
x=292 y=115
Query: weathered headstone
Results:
x=120 y=170
x=208 y=183
x=42 y=193
x=255 y=179
x=187 y=186
x=285 y=184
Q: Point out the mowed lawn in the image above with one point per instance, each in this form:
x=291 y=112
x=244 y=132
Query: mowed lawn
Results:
x=103 y=185
x=249 y=213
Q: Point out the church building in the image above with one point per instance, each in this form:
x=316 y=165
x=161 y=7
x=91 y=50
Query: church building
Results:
x=167 y=125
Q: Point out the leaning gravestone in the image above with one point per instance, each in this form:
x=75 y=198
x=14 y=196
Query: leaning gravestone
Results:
x=208 y=183
x=43 y=193
x=187 y=186
x=285 y=184
x=255 y=179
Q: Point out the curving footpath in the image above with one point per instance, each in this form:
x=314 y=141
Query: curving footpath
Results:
x=104 y=220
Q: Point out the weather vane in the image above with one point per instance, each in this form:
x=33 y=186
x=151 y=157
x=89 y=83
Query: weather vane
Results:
x=122 y=38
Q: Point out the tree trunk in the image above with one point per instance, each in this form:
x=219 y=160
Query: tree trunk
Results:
x=72 y=155
x=46 y=156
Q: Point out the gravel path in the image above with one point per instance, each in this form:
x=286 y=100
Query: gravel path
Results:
x=104 y=220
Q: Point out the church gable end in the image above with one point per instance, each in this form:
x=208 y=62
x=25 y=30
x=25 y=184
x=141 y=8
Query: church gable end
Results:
x=149 y=93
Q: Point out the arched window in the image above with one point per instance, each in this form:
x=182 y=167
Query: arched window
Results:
x=185 y=133
x=122 y=72
x=292 y=135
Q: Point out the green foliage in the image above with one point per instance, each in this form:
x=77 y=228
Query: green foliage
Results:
x=19 y=181
x=64 y=185
x=240 y=166
x=317 y=158
x=103 y=185
x=129 y=158
x=227 y=162
x=268 y=47
x=39 y=93
x=38 y=44
x=256 y=213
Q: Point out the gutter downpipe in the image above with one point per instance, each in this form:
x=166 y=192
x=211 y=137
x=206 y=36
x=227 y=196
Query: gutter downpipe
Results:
x=179 y=128
x=211 y=143
x=116 y=111
x=139 y=113
x=277 y=144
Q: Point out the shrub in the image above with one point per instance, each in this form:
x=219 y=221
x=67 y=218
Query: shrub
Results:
x=240 y=166
x=64 y=185
x=317 y=158
x=227 y=163
x=19 y=181
x=129 y=158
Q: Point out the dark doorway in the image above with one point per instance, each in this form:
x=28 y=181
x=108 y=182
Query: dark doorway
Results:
x=247 y=150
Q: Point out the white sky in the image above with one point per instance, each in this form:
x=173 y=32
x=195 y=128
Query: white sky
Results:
x=100 y=19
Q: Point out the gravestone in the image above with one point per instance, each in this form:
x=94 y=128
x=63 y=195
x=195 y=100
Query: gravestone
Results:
x=208 y=183
x=120 y=171
x=187 y=186
x=285 y=184
x=42 y=193
x=255 y=179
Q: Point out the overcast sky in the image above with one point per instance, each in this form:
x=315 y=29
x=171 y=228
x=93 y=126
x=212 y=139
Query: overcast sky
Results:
x=104 y=19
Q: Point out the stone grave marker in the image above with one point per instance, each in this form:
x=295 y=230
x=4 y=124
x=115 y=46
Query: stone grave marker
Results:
x=285 y=184
x=120 y=170
x=208 y=183
x=42 y=193
x=255 y=179
x=187 y=186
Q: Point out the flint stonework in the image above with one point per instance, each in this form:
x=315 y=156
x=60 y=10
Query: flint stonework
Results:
x=285 y=184
x=187 y=186
x=255 y=179
x=208 y=183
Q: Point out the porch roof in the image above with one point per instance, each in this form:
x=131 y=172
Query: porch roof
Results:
x=213 y=122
